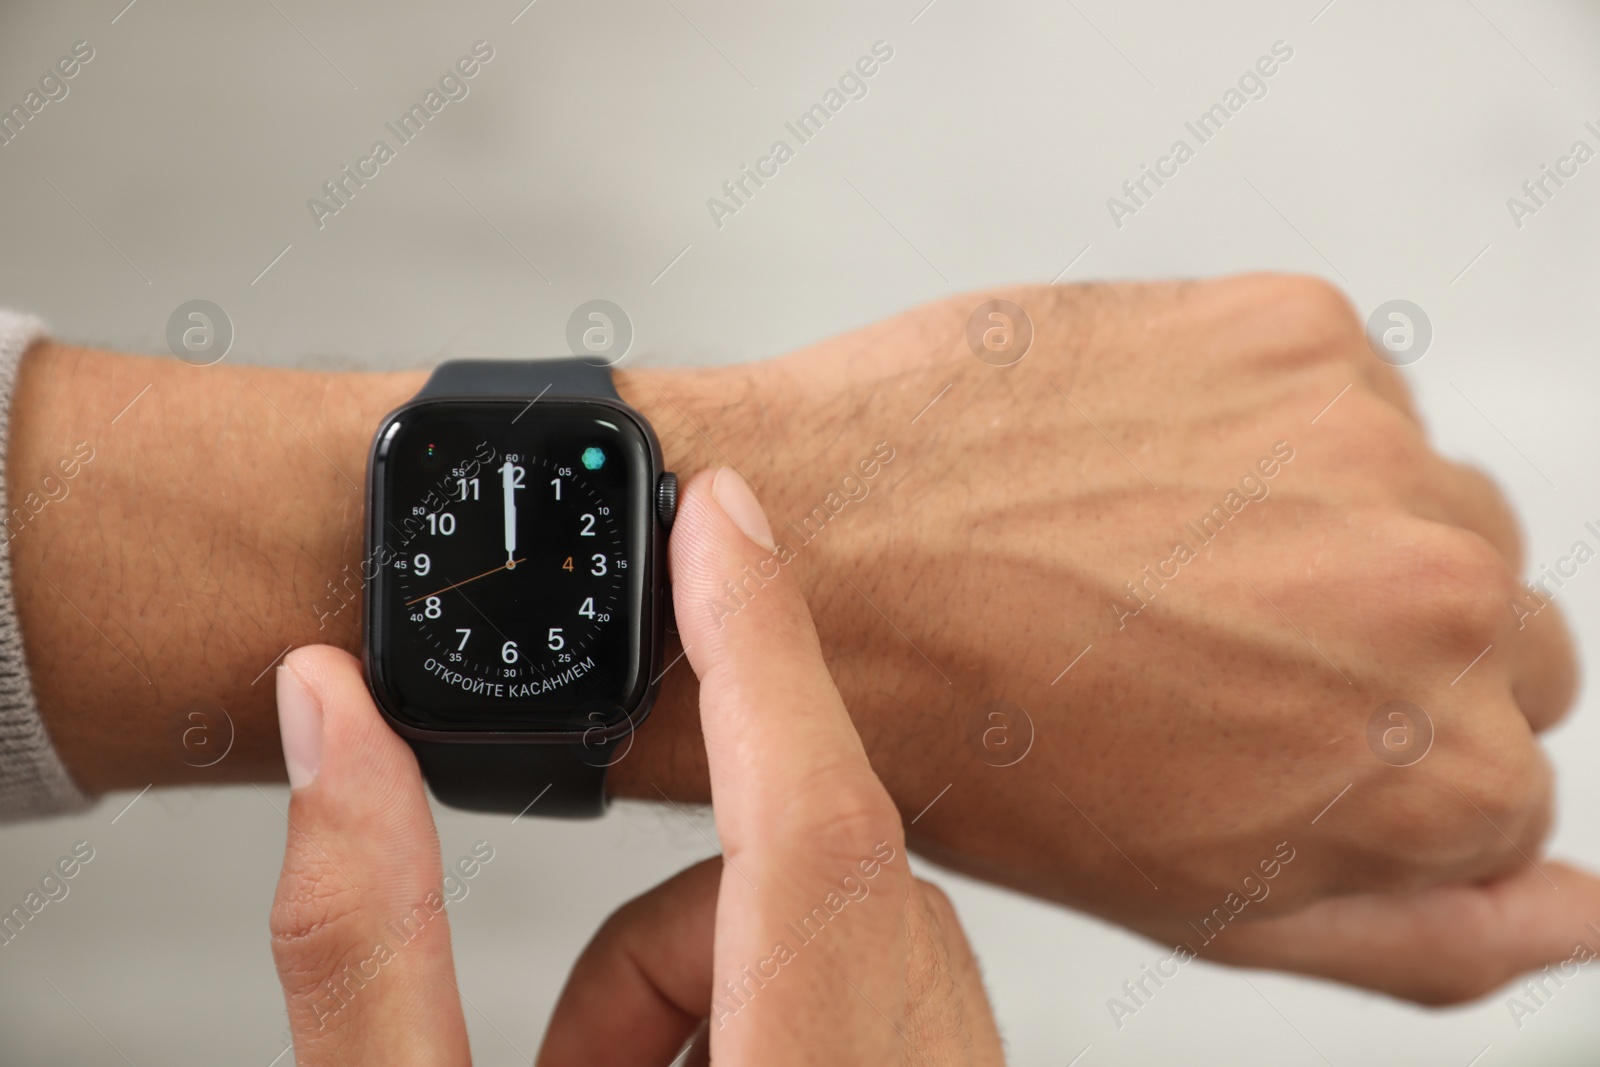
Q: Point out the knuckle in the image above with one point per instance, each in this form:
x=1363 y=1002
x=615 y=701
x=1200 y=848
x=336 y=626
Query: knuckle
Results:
x=854 y=821
x=1498 y=515
x=1310 y=314
x=1504 y=787
x=313 y=926
x=1488 y=791
x=617 y=929
x=1444 y=584
x=1467 y=586
x=646 y=911
x=1312 y=299
x=1374 y=439
x=939 y=906
x=1427 y=839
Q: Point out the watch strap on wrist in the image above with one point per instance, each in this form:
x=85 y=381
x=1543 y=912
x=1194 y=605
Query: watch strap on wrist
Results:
x=532 y=378
x=534 y=779
x=547 y=779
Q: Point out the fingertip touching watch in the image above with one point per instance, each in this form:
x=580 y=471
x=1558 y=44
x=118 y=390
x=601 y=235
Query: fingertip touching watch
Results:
x=517 y=517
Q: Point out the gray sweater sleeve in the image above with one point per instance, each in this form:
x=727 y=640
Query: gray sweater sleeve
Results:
x=33 y=781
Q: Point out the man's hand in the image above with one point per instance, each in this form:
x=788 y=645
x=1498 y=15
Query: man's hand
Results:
x=1198 y=537
x=967 y=536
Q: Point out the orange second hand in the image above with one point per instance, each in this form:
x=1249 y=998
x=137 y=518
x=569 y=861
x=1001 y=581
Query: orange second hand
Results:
x=464 y=581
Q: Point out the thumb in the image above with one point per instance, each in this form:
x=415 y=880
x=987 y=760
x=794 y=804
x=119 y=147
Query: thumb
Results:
x=1441 y=945
x=359 y=931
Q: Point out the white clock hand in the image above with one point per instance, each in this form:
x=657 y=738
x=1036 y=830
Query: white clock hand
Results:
x=508 y=487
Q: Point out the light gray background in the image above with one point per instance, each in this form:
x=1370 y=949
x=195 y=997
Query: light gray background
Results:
x=181 y=162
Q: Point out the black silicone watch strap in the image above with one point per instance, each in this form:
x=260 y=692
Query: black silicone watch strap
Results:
x=534 y=779
x=540 y=779
x=526 y=377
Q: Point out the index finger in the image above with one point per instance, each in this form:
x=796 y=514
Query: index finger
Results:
x=784 y=753
x=810 y=917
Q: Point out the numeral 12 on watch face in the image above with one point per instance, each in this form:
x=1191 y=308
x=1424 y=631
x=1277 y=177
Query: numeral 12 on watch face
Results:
x=511 y=592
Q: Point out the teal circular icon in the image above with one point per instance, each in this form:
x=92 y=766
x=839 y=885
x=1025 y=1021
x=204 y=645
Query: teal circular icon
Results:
x=593 y=458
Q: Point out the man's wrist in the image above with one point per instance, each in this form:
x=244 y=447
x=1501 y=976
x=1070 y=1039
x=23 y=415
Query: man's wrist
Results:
x=220 y=523
x=798 y=430
x=668 y=757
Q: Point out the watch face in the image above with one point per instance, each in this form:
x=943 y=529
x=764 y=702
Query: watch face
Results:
x=510 y=545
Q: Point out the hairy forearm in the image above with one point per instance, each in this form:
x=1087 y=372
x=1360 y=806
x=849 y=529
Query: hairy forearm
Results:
x=216 y=523
x=182 y=559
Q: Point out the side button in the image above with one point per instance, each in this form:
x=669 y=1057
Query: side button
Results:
x=667 y=499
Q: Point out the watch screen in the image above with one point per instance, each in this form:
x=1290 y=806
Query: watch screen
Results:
x=509 y=542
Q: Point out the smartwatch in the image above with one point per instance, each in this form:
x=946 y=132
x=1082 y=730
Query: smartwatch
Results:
x=516 y=526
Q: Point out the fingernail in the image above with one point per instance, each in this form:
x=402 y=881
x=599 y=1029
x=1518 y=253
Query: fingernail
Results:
x=733 y=493
x=300 y=727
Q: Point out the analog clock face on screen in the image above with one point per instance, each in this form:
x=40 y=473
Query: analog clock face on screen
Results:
x=510 y=593
x=515 y=583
